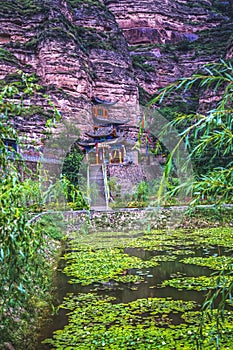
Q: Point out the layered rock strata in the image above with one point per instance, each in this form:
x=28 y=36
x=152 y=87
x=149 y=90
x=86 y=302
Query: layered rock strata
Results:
x=171 y=39
x=116 y=50
x=75 y=48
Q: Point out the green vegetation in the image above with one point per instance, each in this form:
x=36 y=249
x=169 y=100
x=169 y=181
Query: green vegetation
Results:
x=23 y=250
x=144 y=96
x=213 y=262
x=208 y=134
x=196 y=283
x=22 y=7
x=87 y=38
x=6 y=55
x=122 y=326
x=86 y=267
x=140 y=197
x=77 y=3
x=52 y=225
x=71 y=165
x=209 y=43
x=34 y=110
x=71 y=180
x=143 y=47
x=168 y=242
x=140 y=61
x=224 y=6
x=143 y=195
x=98 y=320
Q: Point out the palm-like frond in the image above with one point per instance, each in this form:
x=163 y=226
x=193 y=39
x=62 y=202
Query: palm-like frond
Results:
x=212 y=129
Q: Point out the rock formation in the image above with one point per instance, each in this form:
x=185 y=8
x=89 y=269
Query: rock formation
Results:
x=171 y=39
x=116 y=50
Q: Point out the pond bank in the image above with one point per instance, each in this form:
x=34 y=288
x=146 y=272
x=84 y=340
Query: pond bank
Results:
x=126 y=219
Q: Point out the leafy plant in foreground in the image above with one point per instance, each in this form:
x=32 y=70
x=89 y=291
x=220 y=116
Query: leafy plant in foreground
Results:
x=212 y=132
x=22 y=246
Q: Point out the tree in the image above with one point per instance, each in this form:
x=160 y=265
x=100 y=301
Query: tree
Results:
x=202 y=134
x=21 y=244
x=209 y=133
x=72 y=180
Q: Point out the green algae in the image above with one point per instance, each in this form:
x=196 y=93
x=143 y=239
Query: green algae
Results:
x=98 y=321
x=196 y=283
x=86 y=267
x=158 y=240
x=213 y=262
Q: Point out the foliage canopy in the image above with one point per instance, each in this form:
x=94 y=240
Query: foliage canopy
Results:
x=206 y=133
x=208 y=136
x=22 y=245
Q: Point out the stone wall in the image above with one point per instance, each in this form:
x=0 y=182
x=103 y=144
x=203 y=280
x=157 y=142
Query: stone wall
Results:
x=127 y=176
x=128 y=220
x=125 y=220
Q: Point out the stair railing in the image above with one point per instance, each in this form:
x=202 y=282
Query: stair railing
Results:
x=106 y=187
x=88 y=185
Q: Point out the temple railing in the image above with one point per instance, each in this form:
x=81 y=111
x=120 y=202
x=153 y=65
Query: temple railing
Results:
x=40 y=159
x=106 y=187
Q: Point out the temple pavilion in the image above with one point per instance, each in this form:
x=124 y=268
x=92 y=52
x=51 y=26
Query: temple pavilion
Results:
x=106 y=143
x=110 y=152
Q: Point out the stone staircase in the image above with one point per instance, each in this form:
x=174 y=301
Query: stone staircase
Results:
x=97 y=193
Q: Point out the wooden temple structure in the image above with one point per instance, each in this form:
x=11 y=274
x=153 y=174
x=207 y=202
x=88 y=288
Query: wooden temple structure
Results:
x=110 y=151
x=106 y=142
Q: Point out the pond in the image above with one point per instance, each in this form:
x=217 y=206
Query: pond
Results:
x=141 y=290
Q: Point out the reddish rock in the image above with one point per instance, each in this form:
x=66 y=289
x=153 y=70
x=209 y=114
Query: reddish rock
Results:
x=109 y=48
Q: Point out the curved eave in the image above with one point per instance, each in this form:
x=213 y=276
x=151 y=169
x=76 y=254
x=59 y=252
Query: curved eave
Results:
x=106 y=136
x=104 y=102
x=118 y=140
x=86 y=145
x=103 y=121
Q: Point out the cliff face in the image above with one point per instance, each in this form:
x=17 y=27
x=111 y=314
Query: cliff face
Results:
x=116 y=50
x=172 y=38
